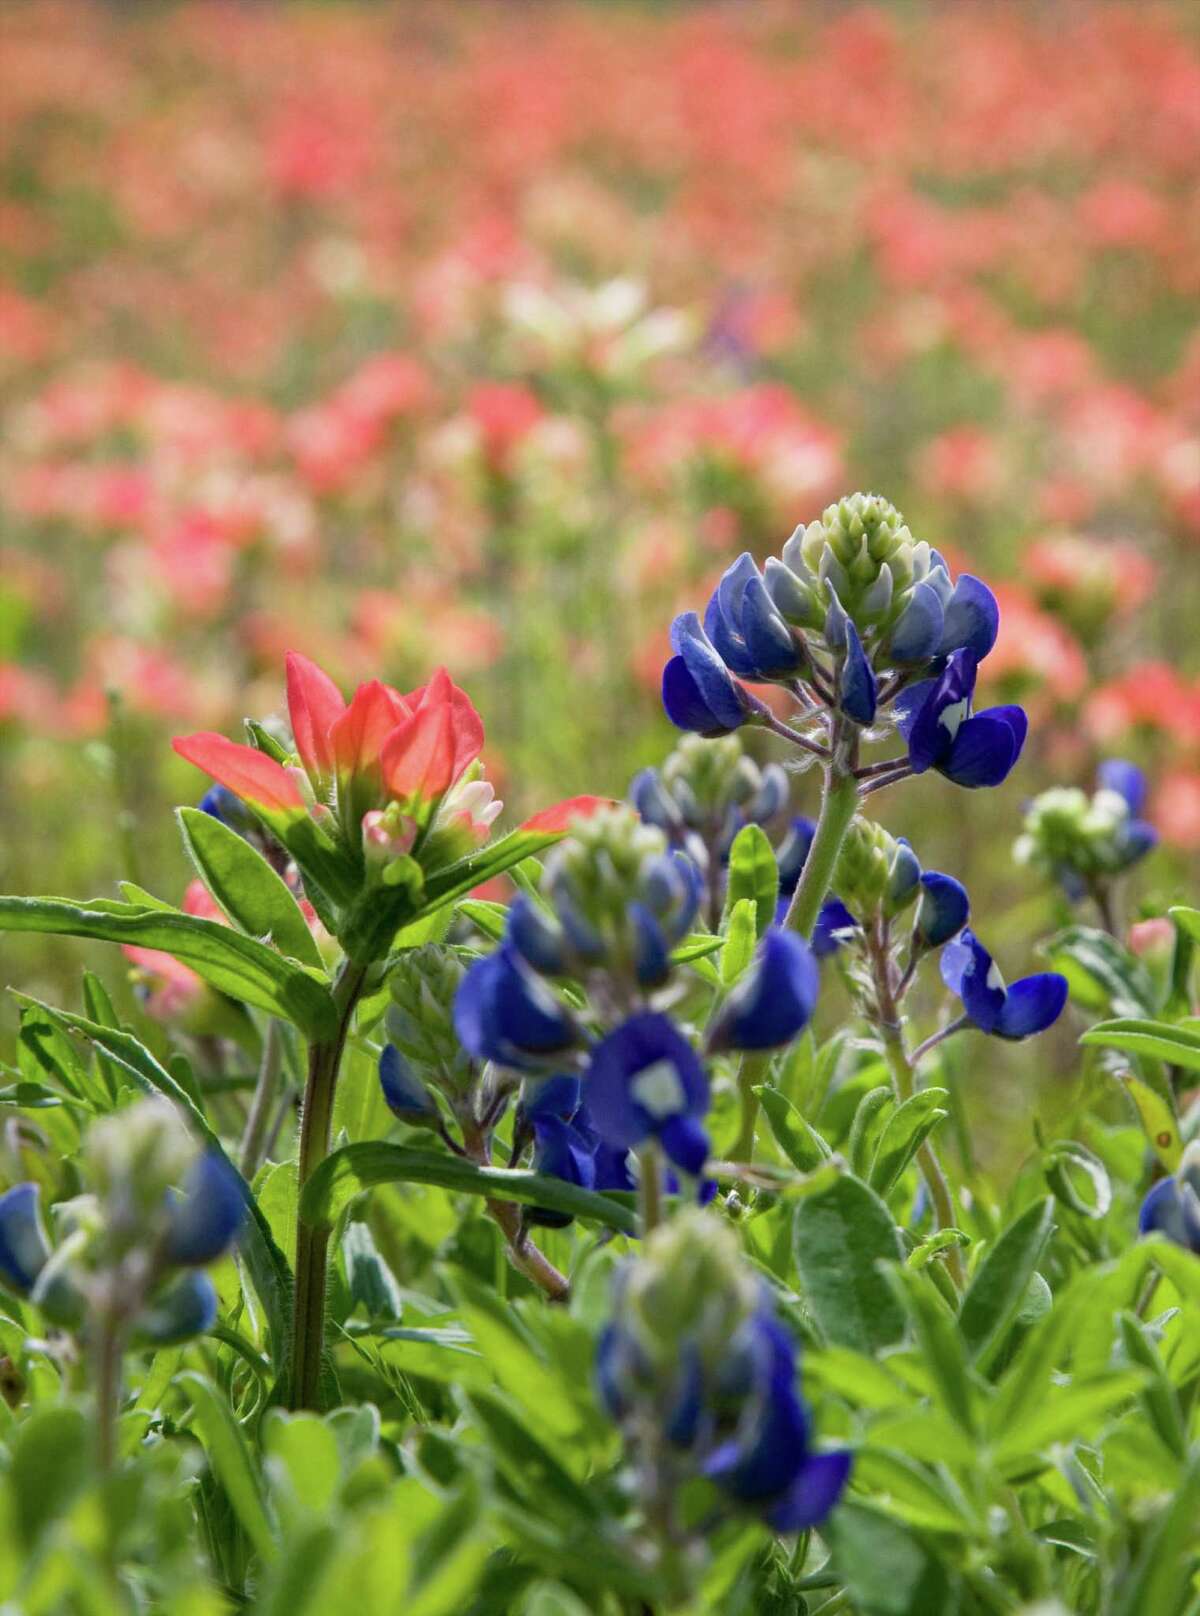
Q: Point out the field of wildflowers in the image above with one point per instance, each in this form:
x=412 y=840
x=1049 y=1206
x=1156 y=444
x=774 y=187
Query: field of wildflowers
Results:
x=542 y=1127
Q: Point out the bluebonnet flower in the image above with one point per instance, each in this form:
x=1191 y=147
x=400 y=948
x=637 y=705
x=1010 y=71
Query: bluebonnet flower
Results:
x=943 y=910
x=203 y=1222
x=834 y=921
x=185 y=1308
x=704 y=793
x=698 y=691
x=971 y=749
x=645 y=1081
x=1029 y=1006
x=1173 y=1205
x=503 y=1013
x=774 y=998
x=834 y=927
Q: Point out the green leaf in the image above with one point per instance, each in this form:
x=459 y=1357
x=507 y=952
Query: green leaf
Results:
x=997 y=1291
x=246 y=887
x=802 y=1145
x=531 y=1466
x=905 y=1131
x=1064 y=1163
x=490 y=918
x=347 y=1172
x=49 y=1465
x=237 y=965
x=458 y=879
x=885 y=1567
x=1158 y=1398
x=230 y=1460
x=1176 y=1043
x=906 y=1489
x=940 y=1340
x=753 y=875
x=1101 y=972
x=1166 y=1566
x=740 y=938
x=841 y=1234
x=1065 y=1413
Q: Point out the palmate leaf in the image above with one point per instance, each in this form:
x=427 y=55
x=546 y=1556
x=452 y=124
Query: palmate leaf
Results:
x=239 y=966
x=349 y=1171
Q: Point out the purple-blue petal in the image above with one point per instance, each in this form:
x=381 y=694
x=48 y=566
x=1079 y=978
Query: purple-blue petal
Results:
x=918 y=630
x=834 y=920
x=775 y=998
x=23 y=1247
x=1032 y=1004
x=503 y=1013
x=966 y=969
x=814 y=1492
x=857 y=688
x=972 y=619
x=1126 y=779
x=203 y=1222
x=943 y=910
x=986 y=748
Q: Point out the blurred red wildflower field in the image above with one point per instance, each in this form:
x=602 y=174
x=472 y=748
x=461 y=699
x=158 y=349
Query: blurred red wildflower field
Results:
x=485 y=336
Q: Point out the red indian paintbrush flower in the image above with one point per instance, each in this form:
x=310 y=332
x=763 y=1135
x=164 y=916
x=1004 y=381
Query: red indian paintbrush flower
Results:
x=386 y=775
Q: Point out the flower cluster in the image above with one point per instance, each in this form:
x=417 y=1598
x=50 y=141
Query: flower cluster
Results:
x=698 y=1369
x=1084 y=842
x=133 y=1247
x=855 y=616
x=614 y=901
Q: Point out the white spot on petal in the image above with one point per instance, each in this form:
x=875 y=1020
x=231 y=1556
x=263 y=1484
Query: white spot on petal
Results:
x=659 y=1090
x=950 y=718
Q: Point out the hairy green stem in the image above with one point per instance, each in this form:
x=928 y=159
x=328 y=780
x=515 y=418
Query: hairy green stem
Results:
x=751 y=1073
x=904 y=1084
x=308 y=1318
x=649 y=1188
x=258 y=1119
x=838 y=802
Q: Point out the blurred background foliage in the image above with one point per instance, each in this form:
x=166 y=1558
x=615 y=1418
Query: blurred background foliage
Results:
x=489 y=335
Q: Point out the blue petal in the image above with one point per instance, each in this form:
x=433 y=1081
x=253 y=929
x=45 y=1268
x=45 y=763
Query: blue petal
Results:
x=775 y=998
x=771 y=795
x=205 y=1219
x=1171 y=1210
x=793 y=851
x=972 y=619
x=552 y=1099
x=645 y=1040
x=919 y=628
x=834 y=920
x=503 y=1013
x=405 y=1094
x=986 y=748
x=685 y=1143
x=943 y=910
x=682 y=1424
x=1032 y=1004
x=718 y=690
x=686 y=707
x=723 y=617
x=967 y=969
x=903 y=877
x=24 y=1250
x=185 y=1309
x=615 y=1371
x=650 y=798
x=929 y=732
x=857 y=689
x=651 y=955
x=761 y=1465
x=908 y=704
x=814 y=1492
x=1136 y=840
x=535 y=936
x=1126 y=779
x=773 y=651
x=612 y=1168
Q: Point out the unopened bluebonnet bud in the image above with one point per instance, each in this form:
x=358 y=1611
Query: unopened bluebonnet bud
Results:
x=877 y=873
x=707 y=790
x=1028 y=1006
x=184 y=1308
x=773 y=1000
x=405 y=1094
x=747 y=630
x=1172 y=1207
x=427 y=1051
x=699 y=693
x=943 y=910
x=1083 y=842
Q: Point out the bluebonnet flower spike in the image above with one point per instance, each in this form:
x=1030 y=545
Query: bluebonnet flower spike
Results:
x=1029 y=1006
